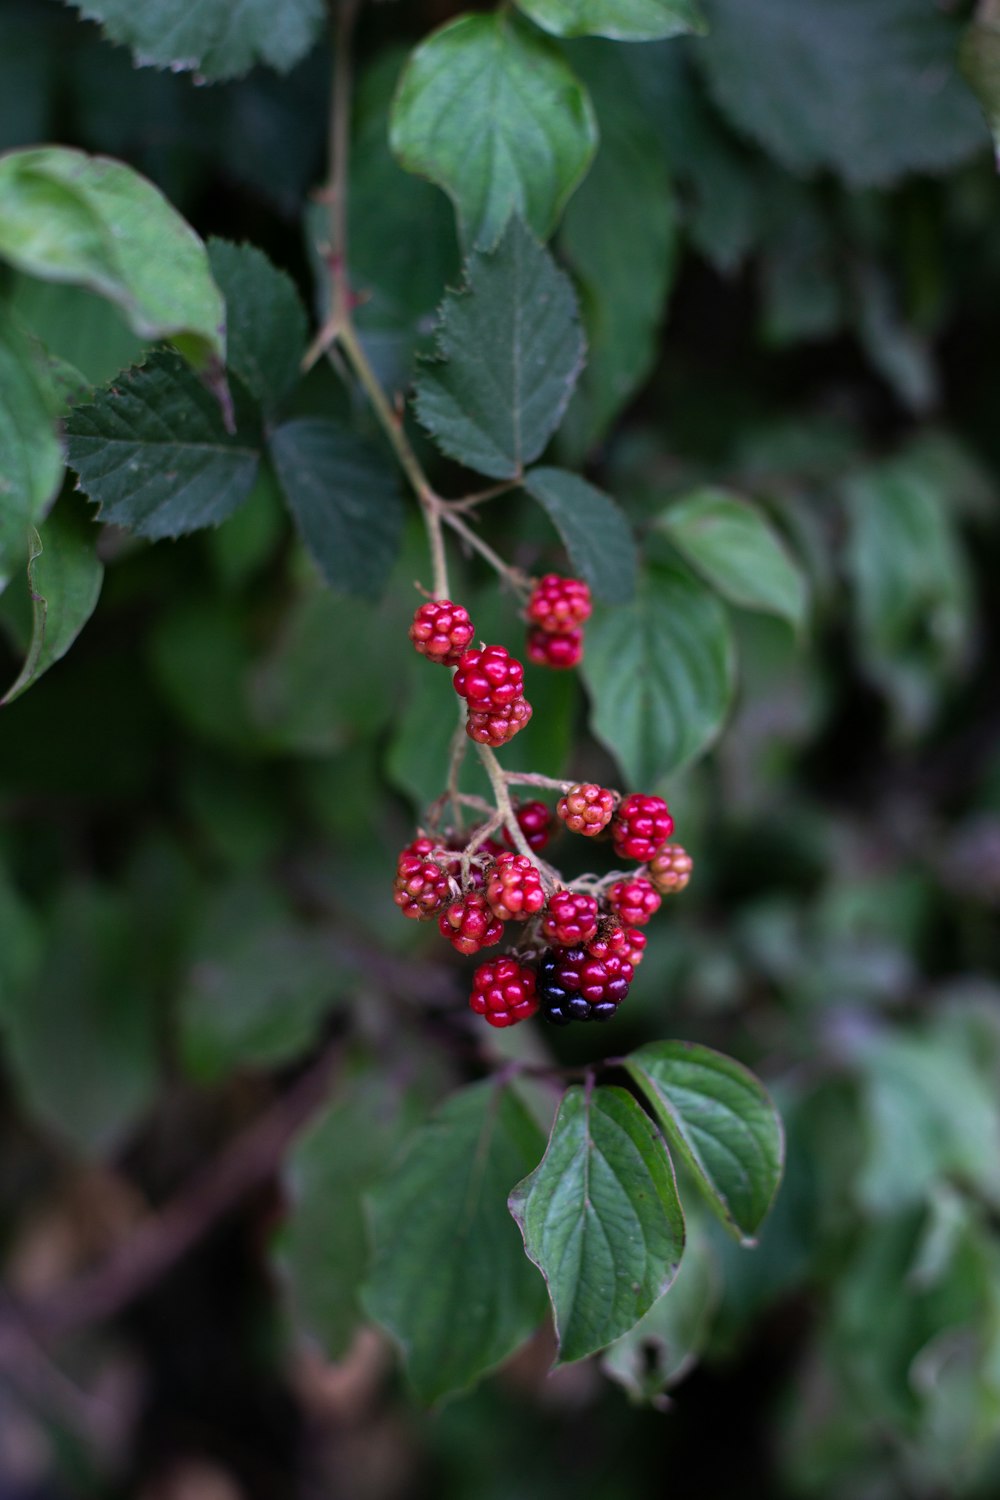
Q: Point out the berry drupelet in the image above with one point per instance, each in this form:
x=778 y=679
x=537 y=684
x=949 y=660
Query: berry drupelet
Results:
x=421 y=887
x=535 y=822
x=441 y=631
x=641 y=827
x=489 y=679
x=497 y=726
x=504 y=992
x=558 y=651
x=670 y=869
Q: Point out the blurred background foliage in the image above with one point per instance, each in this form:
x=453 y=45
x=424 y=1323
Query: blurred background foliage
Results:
x=788 y=252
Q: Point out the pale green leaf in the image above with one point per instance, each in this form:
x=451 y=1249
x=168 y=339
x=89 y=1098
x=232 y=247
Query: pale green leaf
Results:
x=595 y=533
x=601 y=1218
x=621 y=20
x=64 y=578
x=31 y=460
x=490 y=111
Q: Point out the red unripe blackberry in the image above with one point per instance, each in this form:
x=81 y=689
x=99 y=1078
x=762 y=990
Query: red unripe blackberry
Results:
x=587 y=808
x=535 y=822
x=559 y=605
x=610 y=939
x=514 y=888
x=489 y=678
x=421 y=887
x=635 y=901
x=670 y=869
x=497 y=726
x=504 y=992
x=557 y=651
x=573 y=986
x=469 y=924
x=641 y=826
x=441 y=631
x=635 y=946
x=570 y=918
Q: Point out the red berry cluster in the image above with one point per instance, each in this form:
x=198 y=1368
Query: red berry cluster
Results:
x=556 y=613
x=489 y=679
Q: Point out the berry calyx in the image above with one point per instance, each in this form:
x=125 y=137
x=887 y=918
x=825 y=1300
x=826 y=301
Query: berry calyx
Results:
x=469 y=924
x=573 y=986
x=587 y=808
x=504 y=992
x=559 y=605
x=635 y=901
x=441 y=631
x=570 y=918
x=421 y=887
x=489 y=679
x=497 y=726
x=670 y=869
x=641 y=827
x=559 y=652
x=535 y=822
x=514 y=888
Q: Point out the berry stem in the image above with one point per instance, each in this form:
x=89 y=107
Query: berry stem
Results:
x=512 y=576
x=498 y=781
x=532 y=778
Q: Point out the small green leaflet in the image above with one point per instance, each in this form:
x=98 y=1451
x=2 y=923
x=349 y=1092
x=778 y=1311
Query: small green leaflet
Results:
x=265 y=320
x=64 y=577
x=345 y=501
x=449 y=1279
x=152 y=451
x=510 y=349
x=660 y=674
x=31 y=460
x=595 y=532
x=601 y=1218
x=720 y=1120
x=620 y=20
x=491 y=112
x=737 y=550
x=214 y=38
x=66 y=216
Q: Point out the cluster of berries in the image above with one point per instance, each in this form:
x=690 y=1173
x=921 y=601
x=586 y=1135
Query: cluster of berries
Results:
x=556 y=614
x=579 y=950
x=489 y=679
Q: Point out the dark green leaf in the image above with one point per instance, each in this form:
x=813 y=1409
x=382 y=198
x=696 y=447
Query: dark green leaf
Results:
x=345 y=501
x=660 y=673
x=31 y=461
x=601 y=1218
x=490 y=111
x=210 y=37
x=867 y=88
x=720 y=1120
x=265 y=320
x=66 y=216
x=595 y=532
x=509 y=353
x=64 y=577
x=621 y=20
x=444 y=1242
x=737 y=550
x=152 y=451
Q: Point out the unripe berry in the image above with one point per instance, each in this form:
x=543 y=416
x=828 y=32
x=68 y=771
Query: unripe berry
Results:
x=587 y=808
x=497 y=726
x=641 y=826
x=489 y=678
x=469 y=925
x=441 y=631
x=559 y=605
x=610 y=939
x=514 y=888
x=573 y=986
x=535 y=822
x=421 y=887
x=670 y=869
x=504 y=992
x=635 y=946
x=559 y=652
x=635 y=901
x=570 y=918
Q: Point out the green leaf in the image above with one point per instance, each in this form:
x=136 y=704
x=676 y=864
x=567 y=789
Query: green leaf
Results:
x=490 y=111
x=720 y=1120
x=911 y=589
x=596 y=534
x=737 y=550
x=66 y=216
x=510 y=349
x=979 y=57
x=601 y=1218
x=31 y=460
x=449 y=1279
x=625 y=199
x=265 y=320
x=345 y=501
x=64 y=578
x=621 y=20
x=210 y=37
x=153 y=453
x=867 y=88
x=660 y=673
x=76 y=326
